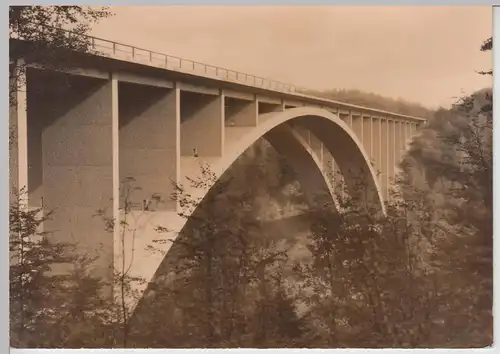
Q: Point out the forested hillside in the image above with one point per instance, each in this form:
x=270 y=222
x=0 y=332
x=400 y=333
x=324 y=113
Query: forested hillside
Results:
x=373 y=100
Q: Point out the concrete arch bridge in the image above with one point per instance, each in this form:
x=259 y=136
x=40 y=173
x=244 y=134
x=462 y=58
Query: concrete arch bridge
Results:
x=125 y=112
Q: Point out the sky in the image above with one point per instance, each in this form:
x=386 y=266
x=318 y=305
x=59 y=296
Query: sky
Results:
x=428 y=55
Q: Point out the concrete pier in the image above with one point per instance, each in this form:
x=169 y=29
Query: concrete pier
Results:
x=70 y=162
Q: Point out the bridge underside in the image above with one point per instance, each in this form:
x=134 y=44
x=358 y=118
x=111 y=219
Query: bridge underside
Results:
x=85 y=143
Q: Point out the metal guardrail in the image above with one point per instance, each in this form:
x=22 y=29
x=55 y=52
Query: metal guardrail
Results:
x=116 y=50
x=121 y=51
x=170 y=62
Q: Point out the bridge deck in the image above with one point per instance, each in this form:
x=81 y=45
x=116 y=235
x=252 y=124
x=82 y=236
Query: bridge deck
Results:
x=128 y=53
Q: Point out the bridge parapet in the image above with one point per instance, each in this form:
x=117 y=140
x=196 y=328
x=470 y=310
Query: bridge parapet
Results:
x=293 y=95
x=82 y=135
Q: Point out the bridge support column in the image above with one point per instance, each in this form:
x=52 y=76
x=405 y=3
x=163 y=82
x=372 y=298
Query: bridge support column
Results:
x=18 y=133
x=367 y=135
x=403 y=138
x=357 y=125
x=72 y=159
x=404 y=129
x=391 y=150
x=384 y=156
x=413 y=129
x=409 y=135
x=376 y=142
x=149 y=160
x=397 y=142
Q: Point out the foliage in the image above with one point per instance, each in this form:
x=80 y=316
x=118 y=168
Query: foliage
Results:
x=485 y=47
x=54 y=302
x=453 y=160
x=215 y=287
x=373 y=100
x=49 y=289
x=38 y=34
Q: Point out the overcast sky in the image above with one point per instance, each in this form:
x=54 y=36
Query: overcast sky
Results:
x=423 y=54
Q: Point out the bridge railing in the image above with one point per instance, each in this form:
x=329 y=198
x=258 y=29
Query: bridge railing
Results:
x=107 y=48
x=174 y=63
x=117 y=50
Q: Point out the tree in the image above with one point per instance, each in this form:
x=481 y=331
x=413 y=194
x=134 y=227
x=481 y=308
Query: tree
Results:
x=453 y=160
x=38 y=33
x=49 y=309
x=44 y=305
x=276 y=322
x=485 y=47
x=220 y=268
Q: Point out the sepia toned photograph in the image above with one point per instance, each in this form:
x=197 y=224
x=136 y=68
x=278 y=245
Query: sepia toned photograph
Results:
x=250 y=176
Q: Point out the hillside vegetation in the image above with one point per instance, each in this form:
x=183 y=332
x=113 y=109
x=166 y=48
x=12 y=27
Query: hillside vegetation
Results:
x=374 y=100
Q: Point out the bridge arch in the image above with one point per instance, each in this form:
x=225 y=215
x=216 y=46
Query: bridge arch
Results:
x=280 y=130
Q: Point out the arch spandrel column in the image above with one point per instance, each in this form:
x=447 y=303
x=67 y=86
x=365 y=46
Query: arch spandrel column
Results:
x=384 y=156
x=391 y=150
